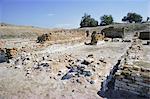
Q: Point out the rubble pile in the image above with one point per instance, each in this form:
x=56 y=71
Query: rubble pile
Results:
x=7 y=53
x=95 y=37
x=134 y=73
x=84 y=69
x=30 y=61
x=79 y=70
x=43 y=38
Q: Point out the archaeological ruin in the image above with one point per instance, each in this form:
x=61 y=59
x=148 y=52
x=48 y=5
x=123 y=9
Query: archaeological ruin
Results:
x=113 y=32
x=133 y=74
x=144 y=35
x=113 y=63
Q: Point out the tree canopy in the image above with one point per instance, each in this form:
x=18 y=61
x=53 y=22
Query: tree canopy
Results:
x=106 y=20
x=87 y=21
x=132 y=17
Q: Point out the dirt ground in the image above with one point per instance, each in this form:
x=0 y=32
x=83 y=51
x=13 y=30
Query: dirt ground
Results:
x=63 y=68
x=26 y=83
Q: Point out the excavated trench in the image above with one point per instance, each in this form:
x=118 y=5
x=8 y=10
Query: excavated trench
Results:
x=79 y=50
x=107 y=86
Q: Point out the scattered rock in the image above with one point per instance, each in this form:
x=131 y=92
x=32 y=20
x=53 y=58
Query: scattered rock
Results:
x=70 y=60
x=44 y=64
x=78 y=81
x=72 y=90
x=126 y=40
x=18 y=66
x=73 y=69
x=67 y=76
x=59 y=74
x=85 y=62
x=94 y=69
x=92 y=82
x=90 y=55
x=102 y=60
x=69 y=67
x=86 y=73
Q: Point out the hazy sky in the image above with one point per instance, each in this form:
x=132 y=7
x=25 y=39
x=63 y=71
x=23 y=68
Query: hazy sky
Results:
x=67 y=13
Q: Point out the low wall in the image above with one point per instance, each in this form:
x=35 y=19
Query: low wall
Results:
x=132 y=76
x=113 y=32
x=132 y=82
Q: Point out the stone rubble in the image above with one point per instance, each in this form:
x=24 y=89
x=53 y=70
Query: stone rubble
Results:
x=43 y=38
x=7 y=53
x=78 y=70
x=83 y=69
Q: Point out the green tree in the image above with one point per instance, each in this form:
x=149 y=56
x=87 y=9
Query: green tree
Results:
x=106 y=20
x=132 y=17
x=87 y=21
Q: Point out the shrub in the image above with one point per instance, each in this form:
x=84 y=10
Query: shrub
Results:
x=106 y=20
x=132 y=17
x=87 y=21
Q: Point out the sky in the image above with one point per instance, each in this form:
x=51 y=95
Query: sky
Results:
x=67 y=13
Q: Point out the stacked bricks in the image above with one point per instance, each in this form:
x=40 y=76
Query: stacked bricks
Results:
x=132 y=77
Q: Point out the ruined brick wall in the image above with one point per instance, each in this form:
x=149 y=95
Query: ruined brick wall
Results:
x=113 y=32
x=133 y=81
x=7 y=53
x=132 y=76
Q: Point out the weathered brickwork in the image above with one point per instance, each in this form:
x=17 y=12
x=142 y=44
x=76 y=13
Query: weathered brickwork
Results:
x=132 y=76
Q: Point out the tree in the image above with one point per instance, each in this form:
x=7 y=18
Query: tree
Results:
x=106 y=20
x=87 y=21
x=132 y=17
